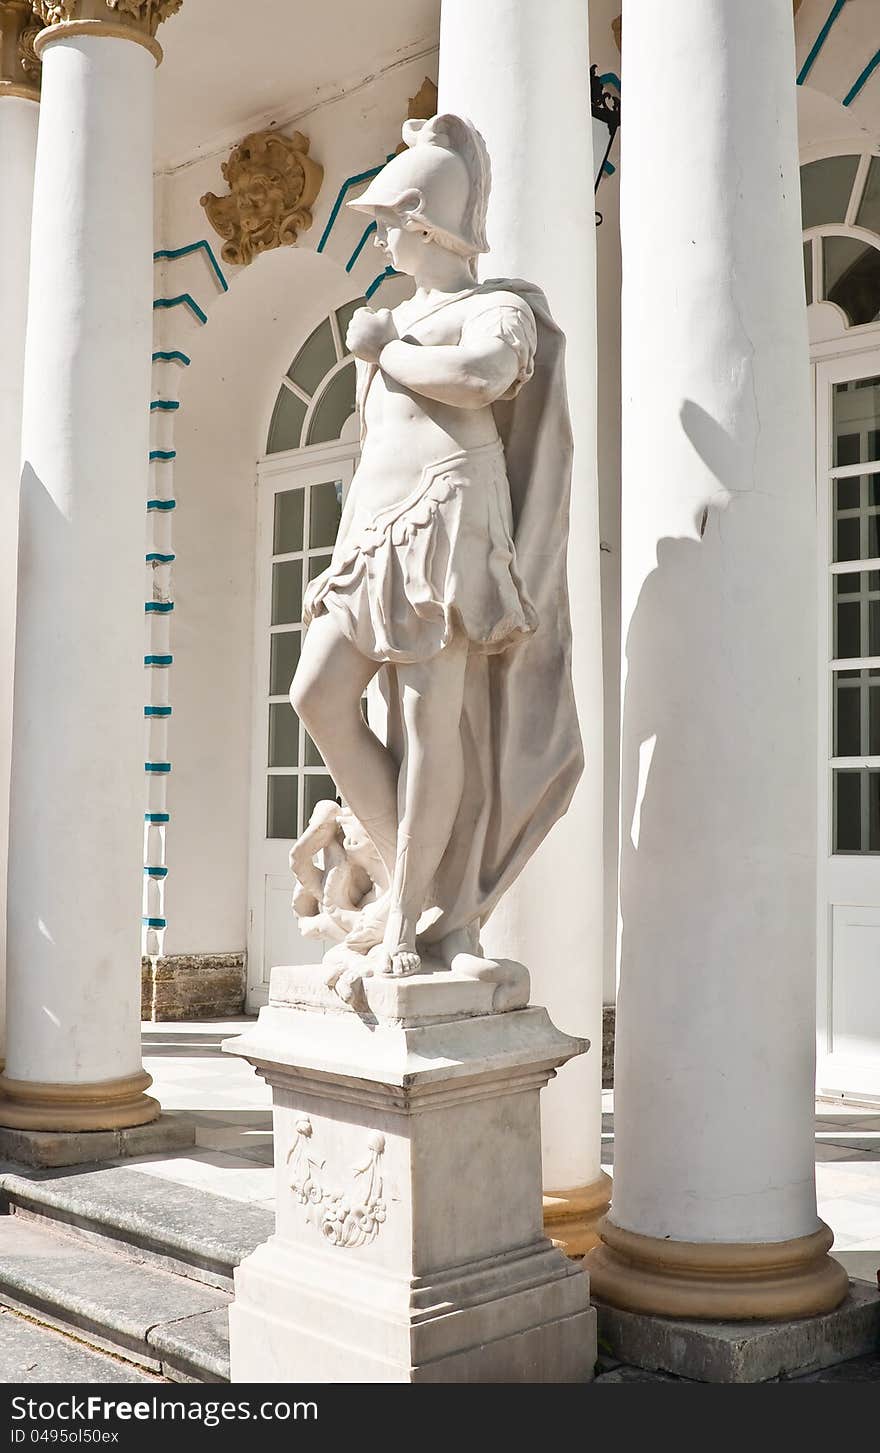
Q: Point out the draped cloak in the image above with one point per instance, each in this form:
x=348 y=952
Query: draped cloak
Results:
x=519 y=730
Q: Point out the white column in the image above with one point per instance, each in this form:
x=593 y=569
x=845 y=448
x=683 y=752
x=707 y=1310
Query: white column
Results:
x=519 y=69
x=76 y=830
x=19 y=113
x=715 y=1021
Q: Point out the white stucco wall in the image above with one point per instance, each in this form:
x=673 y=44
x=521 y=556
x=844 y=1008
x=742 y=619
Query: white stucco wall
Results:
x=227 y=396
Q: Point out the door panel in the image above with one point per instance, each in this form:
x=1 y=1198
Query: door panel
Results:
x=299 y=501
x=848 y=499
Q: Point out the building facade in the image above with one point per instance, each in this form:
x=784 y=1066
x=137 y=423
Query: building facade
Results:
x=177 y=431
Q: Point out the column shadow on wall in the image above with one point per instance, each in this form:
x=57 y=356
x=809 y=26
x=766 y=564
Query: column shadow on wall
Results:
x=670 y=791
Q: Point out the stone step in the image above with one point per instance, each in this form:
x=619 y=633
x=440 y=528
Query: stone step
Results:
x=181 y=1229
x=167 y=1324
x=32 y=1353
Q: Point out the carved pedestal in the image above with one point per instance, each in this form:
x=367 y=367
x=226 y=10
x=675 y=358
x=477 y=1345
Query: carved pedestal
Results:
x=409 y=1244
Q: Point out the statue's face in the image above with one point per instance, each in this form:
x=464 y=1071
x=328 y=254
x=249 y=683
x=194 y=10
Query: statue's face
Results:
x=405 y=250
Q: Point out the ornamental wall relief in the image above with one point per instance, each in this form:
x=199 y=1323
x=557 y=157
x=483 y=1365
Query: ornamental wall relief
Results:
x=273 y=185
x=344 y=1218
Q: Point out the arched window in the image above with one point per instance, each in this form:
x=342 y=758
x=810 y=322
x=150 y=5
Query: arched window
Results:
x=840 y=199
x=316 y=401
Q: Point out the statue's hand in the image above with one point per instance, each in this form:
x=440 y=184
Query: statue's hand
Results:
x=368 y=332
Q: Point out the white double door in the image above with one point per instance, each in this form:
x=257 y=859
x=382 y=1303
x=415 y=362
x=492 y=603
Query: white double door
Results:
x=299 y=501
x=848 y=499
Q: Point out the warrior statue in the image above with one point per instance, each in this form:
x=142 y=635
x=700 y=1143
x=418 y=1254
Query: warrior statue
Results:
x=448 y=579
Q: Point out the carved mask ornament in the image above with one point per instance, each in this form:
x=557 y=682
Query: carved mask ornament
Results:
x=273 y=184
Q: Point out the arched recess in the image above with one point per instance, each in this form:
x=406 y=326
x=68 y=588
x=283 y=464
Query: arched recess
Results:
x=227 y=398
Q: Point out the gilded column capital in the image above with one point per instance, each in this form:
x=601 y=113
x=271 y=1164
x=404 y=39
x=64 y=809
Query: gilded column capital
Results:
x=19 y=67
x=136 y=20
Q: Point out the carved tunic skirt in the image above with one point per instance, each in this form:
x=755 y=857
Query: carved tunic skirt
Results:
x=403 y=580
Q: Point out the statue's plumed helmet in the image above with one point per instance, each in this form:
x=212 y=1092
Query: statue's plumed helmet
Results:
x=439 y=185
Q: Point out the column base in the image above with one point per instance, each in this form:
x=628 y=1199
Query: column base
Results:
x=572 y=1218
x=716 y=1281
x=104 y=1105
x=737 y=1352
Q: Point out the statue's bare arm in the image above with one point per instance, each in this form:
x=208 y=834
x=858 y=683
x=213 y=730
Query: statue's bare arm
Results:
x=467 y=375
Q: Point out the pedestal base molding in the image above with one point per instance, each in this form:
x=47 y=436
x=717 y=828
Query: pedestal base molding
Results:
x=104 y=1105
x=572 y=1218
x=716 y=1281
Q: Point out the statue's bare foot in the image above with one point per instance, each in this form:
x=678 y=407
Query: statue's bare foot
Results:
x=400 y=963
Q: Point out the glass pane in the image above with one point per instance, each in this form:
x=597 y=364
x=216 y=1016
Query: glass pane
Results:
x=344 y=315
x=325 y=512
x=285 y=430
x=283 y=661
x=857 y=614
x=337 y=404
x=847 y=534
x=288 y=533
x=318 y=789
x=808 y=271
x=847 y=812
x=857 y=417
x=847 y=719
x=826 y=187
x=283 y=735
x=287 y=593
x=851 y=277
x=311 y=754
x=874 y=716
x=316 y=357
x=847 y=630
x=847 y=494
x=868 y=214
x=317 y=564
x=281 y=817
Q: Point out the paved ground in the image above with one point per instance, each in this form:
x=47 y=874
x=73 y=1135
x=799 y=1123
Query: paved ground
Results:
x=231 y=1108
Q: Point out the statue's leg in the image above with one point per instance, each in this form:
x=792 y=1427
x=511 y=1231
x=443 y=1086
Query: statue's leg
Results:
x=429 y=794
x=326 y=695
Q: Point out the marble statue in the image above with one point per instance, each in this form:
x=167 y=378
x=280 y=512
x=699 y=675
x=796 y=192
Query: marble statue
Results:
x=446 y=589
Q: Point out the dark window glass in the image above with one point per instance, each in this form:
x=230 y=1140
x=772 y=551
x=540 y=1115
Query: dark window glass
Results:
x=285 y=430
x=826 y=187
x=847 y=630
x=281 y=814
x=847 y=721
x=288 y=532
x=852 y=277
x=283 y=661
x=848 y=539
x=287 y=593
x=325 y=512
x=847 y=812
